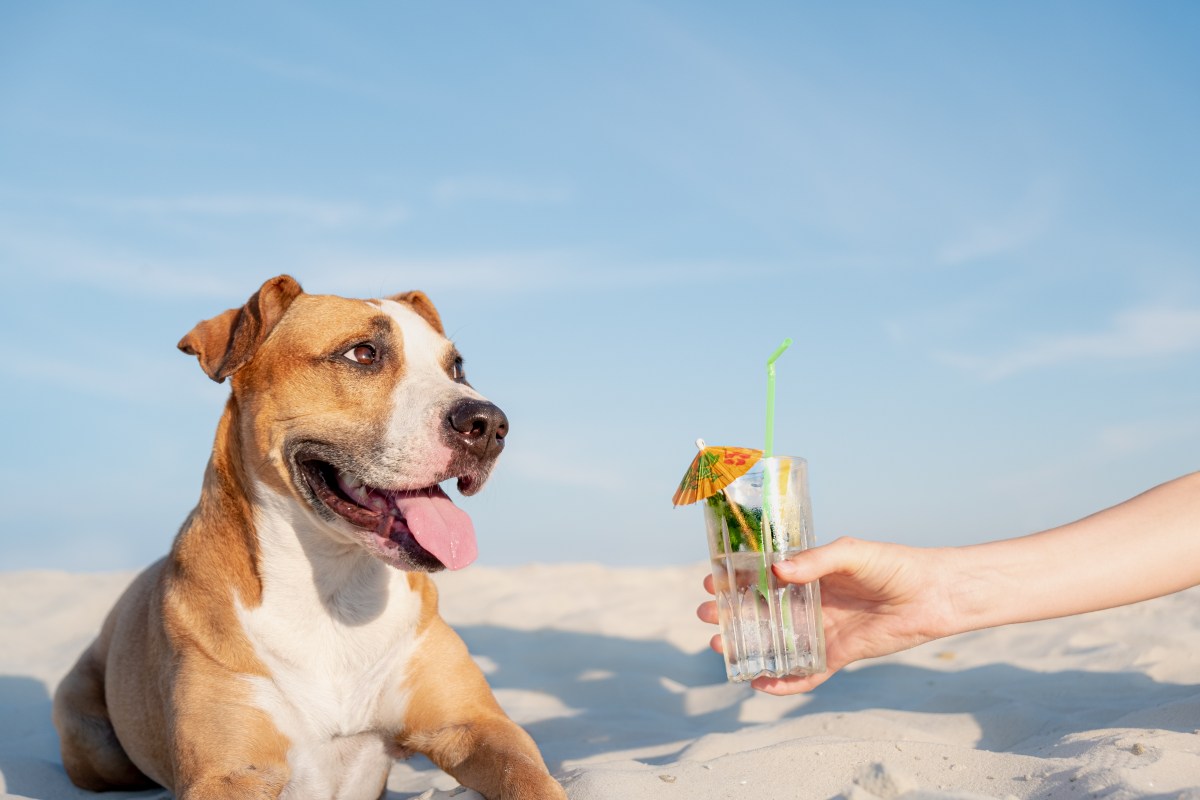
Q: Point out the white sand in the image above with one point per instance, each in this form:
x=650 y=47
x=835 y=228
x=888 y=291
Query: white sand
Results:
x=609 y=670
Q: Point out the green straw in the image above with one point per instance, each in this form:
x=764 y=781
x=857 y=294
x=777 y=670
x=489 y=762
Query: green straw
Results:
x=769 y=449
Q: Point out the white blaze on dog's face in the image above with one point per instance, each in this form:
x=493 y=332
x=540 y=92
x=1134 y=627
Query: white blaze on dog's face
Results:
x=422 y=399
x=369 y=411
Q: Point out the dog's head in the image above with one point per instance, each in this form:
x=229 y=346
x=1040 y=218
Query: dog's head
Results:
x=358 y=409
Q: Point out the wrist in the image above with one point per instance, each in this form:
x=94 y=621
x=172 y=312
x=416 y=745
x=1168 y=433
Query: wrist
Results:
x=935 y=585
x=976 y=588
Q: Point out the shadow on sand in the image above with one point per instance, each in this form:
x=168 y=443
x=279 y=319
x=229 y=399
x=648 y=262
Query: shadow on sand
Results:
x=29 y=760
x=627 y=694
x=649 y=696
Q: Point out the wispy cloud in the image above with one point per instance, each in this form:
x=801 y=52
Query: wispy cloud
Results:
x=552 y=466
x=109 y=129
x=1118 y=441
x=1112 y=444
x=369 y=274
x=303 y=210
x=111 y=372
x=50 y=258
x=307 y=72
x=312 y=76
x=1133 y=334
x=515 y=272
x=1031 y=218
x=452 y=191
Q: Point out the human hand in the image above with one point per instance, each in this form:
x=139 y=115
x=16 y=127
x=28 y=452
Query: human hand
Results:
x=876 y=598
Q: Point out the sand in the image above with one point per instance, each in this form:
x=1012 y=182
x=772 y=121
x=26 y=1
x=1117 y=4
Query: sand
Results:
x=609 y=670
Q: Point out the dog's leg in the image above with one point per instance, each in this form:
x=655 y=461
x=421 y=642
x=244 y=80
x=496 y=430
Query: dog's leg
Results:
x=455 y=721
x=492 y=755
x=91 y=753
x=247 y=783
x=223 y=746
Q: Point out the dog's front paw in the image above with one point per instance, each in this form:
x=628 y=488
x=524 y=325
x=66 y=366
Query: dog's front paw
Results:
x=540 y=786
x=543 y=789
x=250 y=783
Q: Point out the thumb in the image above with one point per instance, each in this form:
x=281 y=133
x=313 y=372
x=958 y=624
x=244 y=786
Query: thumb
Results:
x=841 y=556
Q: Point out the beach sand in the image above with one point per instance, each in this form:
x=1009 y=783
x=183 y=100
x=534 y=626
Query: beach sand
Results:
x=609 y=670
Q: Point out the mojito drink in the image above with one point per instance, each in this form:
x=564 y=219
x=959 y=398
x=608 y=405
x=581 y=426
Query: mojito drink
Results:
x=768 y=628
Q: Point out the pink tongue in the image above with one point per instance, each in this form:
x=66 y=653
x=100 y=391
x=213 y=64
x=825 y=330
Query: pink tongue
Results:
x=439 y=526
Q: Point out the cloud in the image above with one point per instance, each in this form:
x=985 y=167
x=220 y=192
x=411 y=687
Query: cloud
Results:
x=452 y=191
x=371 y=274
x=981 y=240
x=1072 y=469
x=311 y=76
x=110 y=371
x=303 y=210
x=1120 y=441
x=543 y=465
x=308 y=72
x=1060 y=484
x=48 y=258
x=1133 y=334
x=514 y=272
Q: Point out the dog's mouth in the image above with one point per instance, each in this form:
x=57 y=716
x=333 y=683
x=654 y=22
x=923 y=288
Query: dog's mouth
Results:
x=418 y=529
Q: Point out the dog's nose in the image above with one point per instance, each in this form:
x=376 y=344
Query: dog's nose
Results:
x=480 y=426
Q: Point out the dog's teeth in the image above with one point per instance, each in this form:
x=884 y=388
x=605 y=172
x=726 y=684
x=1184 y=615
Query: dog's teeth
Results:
x=354 y=488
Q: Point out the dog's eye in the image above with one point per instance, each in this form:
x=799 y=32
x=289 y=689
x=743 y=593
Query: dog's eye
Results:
x=456 y=370
x=361 y=354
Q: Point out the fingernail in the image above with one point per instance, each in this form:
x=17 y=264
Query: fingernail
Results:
x=786 y=567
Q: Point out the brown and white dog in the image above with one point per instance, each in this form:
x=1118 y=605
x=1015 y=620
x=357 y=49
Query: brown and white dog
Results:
x=289 y=645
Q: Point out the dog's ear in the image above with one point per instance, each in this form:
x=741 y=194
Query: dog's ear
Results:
x=423 y=306
x=227 y=342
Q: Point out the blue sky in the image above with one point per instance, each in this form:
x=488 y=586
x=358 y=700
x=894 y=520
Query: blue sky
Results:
x=979 y=223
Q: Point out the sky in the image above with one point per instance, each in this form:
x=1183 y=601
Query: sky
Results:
x=979 y=223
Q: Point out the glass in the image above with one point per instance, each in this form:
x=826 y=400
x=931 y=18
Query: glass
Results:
x=768 y=628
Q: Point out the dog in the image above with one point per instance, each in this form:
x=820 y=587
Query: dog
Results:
x=289 y=645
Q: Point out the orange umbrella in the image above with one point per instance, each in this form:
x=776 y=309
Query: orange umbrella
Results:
x=712 y=470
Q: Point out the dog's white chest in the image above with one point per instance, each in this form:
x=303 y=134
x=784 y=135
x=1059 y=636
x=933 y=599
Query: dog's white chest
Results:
x=345 y=768
x=337 y=662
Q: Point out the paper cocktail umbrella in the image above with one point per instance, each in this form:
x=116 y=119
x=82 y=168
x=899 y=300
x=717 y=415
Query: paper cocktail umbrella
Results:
x=712 y=470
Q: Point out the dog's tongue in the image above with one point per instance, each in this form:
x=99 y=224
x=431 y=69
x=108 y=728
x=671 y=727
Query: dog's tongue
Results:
x=439 y=526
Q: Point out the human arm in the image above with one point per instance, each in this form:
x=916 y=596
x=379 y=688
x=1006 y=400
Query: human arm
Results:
x=879 y=598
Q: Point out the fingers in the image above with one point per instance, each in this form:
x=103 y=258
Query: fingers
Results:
x=708 y=584
x=707 y=612
x=794 y=685
x=842 y=556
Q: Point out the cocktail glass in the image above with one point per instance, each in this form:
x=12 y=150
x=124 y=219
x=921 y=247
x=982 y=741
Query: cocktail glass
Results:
x=768 y=628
